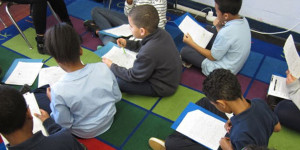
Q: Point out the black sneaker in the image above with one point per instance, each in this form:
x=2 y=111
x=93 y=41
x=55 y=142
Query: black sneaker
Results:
x=91 y=26
x=40 y=44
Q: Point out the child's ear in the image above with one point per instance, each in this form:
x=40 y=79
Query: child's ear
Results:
x=226 y=16
x=221 y=103
x=28 y=114
x=143 y=31
x=80 y=51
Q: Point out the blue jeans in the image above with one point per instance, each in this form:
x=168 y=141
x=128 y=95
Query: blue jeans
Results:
x=139 y=88
x=105 y=19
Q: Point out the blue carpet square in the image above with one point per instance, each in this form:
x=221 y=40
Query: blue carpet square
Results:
x=267 y=49
x=252 y=64
x=271 y=66
x=82 y=9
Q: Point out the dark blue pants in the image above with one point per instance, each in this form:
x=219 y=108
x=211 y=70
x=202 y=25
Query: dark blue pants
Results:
x=178 y=141
x=288 y=114
x=139 y=88
x=42 y=99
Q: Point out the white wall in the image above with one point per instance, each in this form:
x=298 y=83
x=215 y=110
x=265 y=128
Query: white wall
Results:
x=280 y=13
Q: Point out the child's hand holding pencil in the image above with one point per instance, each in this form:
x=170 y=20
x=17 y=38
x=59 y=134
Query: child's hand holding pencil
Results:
x=122 y=43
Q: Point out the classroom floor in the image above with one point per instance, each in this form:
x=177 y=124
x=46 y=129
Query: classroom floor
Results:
x=139 y=117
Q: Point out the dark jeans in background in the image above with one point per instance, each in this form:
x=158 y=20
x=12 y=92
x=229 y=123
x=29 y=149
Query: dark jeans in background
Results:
x=42 y=99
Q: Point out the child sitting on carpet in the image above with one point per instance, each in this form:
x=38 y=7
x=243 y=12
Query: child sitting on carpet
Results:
x=157 y=68
x=253 y=121
x=231 y=47
x=84 y=98
x=16 y=124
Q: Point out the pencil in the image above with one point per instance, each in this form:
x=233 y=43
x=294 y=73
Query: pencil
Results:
x=123 y=50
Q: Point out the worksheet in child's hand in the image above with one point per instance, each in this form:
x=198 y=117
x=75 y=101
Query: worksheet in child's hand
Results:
x=292 y=57
x=199 y=35
x=120 y=31
x=278 y=87
x=121 y=58
x=202 y=128
x=24 y=73
x=34 y=108
x=50 y=75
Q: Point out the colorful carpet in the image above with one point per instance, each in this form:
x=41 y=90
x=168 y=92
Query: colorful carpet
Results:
x=139 y=117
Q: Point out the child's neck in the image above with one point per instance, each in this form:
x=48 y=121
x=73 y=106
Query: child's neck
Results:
x=71 y=67
x=238 y=106
x=233 y=17
x=19 y=136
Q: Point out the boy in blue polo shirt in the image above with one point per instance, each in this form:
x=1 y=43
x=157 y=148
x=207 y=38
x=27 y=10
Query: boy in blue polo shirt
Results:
x=253 y=121
x=231 y=47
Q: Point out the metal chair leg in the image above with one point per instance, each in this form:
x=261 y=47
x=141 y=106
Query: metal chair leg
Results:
x=16 y=25
x=109 y=4
x=53 y=12
x=3 y=23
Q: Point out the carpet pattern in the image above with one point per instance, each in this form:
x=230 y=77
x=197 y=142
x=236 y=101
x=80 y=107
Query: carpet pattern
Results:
x=140 y=117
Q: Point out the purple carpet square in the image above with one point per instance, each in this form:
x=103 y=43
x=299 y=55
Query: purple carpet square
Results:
x=258 y=90
x=244 y=82
x=77 y=23
x=91 y=42
x=271 y=66
x=193 y=77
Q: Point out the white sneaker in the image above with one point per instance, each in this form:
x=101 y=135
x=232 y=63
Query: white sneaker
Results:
x=157 y=144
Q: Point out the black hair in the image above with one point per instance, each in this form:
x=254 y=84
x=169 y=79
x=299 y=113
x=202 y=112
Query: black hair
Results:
x=222 y=84
x=13 y=110
x=229 y=6
x=145 y=16
x=63 y=43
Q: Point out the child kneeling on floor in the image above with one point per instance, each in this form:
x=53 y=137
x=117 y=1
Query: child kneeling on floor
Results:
x=84 y=98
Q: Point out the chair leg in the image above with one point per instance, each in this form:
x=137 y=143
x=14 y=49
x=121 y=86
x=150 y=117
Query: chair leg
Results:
x=16 y=25
x=3 y=23
x=109 y=4
x=53 y=12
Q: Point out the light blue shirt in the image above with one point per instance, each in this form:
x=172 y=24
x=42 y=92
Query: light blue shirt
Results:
x=231 y=47
x=84 y=100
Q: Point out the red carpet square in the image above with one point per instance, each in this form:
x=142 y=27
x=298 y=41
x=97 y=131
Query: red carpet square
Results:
x=77 y=23
x=90 y=42
x=95 y=144
x=244 y=82
x=193 y=77
x=258 y=90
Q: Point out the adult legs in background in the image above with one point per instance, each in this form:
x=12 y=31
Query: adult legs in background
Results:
x=178 y=141
x=105 y=19
x=143 y=88
x=288 y=114
x=42 y=99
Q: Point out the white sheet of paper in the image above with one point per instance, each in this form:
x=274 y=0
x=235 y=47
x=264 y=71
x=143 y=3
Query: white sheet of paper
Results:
x=117 y=56
x=278 y=88
x=202 y=128
x=197 y=32
x=292 y=57
x=34 y=108
x=123 y=30
x=24 y=73
x=50 y=75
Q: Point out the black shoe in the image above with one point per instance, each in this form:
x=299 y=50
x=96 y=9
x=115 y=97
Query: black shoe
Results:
x=24 y=89
x=40 y=44
x=91 y=26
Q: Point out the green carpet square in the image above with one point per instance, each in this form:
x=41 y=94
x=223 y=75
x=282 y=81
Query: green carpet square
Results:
x=172 y=106
x=87 y=57
x=152 y=126
x=143 y=101
x=126 y=119
x=19 y=45
x=285 y=139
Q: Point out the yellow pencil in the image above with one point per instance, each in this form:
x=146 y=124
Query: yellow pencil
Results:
x=123 y=50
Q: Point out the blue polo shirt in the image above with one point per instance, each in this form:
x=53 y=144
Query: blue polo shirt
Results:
x=231 y=47
x=253 y=126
